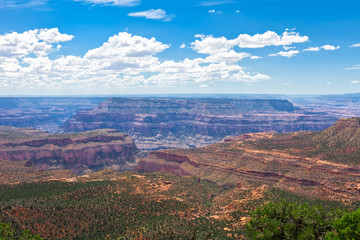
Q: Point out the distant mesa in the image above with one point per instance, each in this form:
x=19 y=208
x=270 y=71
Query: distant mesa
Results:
x=157 y=123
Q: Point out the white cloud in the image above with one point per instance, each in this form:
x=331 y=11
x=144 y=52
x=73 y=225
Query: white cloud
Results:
x=355 y=45
x=354 y=67
x=355 y=82
x=22 y=3
x=330 y=47
x=210 y=44
x=288 y=48
x=122 y=3
x=237 y=11
x=183 y=45
x=124 y=61
x=214 y=11
x=312 y=49
x=255 y=57
x=325 y=47
x=288 y=54
x=227 y=56
x=38 y=42
x=53 y=36
x=270 y=38
x=199 y=36
x=204 y=86
x=158 y=14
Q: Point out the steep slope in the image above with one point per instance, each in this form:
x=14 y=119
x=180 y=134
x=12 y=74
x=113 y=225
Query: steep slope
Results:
x=45 y=113
x=188 y=123
x=93 y=150
x=339 y=143
x=285 y=161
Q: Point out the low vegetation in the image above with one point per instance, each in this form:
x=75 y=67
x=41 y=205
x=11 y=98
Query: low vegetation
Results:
x=127 y=205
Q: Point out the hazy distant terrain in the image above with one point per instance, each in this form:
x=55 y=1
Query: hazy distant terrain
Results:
x=45 y=113
x=186 y=121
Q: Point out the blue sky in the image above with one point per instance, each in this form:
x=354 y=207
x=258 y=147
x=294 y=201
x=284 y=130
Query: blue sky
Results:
x=160 y=46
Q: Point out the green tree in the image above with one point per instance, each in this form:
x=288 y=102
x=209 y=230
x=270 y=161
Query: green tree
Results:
x=286 y=220
x=8 y=233
x=347 y=227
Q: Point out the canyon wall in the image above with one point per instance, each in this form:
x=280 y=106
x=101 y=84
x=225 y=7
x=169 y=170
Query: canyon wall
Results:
x=304 y=162
x=157 y=123
x=79 y=152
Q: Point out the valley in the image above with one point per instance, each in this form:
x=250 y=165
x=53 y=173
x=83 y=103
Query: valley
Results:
x=201 y=167
x=79 y=152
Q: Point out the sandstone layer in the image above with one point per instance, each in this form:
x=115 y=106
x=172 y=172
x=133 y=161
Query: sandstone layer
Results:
x=157 y=123
x=79 y=152
x=302 y=162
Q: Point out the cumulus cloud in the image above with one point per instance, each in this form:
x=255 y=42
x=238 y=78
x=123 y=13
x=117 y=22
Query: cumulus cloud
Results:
x=355 y=45
x=39 y=42
x=122 y=3
x=158 y=14
x=330 y=47
x=325 y=47
x=270 y=38
x=355 y=82
x=123 y=61
x=210 y=44
x=183 y=45
x=288 y=54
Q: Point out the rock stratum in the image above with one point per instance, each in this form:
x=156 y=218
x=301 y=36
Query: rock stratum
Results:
x=157 y=123
x=319 y=164
x=45 y=113
x=79 y=152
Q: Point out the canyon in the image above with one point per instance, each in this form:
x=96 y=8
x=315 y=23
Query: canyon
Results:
x=79 y=152
x=324 y=164
x=160 y=123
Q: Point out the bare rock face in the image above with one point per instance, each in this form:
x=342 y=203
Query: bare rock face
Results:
x=45 y=113
x=86 y=151
x=305 y=162
x=188 y=123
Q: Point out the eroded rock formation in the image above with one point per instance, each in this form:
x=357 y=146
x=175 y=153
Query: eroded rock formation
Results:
x=92 y=150
x=305 y=162
x=188 y=123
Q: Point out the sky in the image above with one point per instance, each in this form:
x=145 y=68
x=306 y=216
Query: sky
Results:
x=114 y=47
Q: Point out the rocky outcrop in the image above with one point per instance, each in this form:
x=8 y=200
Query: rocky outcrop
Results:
x=188 y=123
x=284 y=161
x=80 y=152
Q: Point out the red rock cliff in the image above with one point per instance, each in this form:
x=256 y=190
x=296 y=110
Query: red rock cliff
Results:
x=94 y=150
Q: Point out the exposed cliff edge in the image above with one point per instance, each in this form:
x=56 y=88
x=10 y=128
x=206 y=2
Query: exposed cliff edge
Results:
x=79 y=152
x=286 y=161
x=188 y=123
